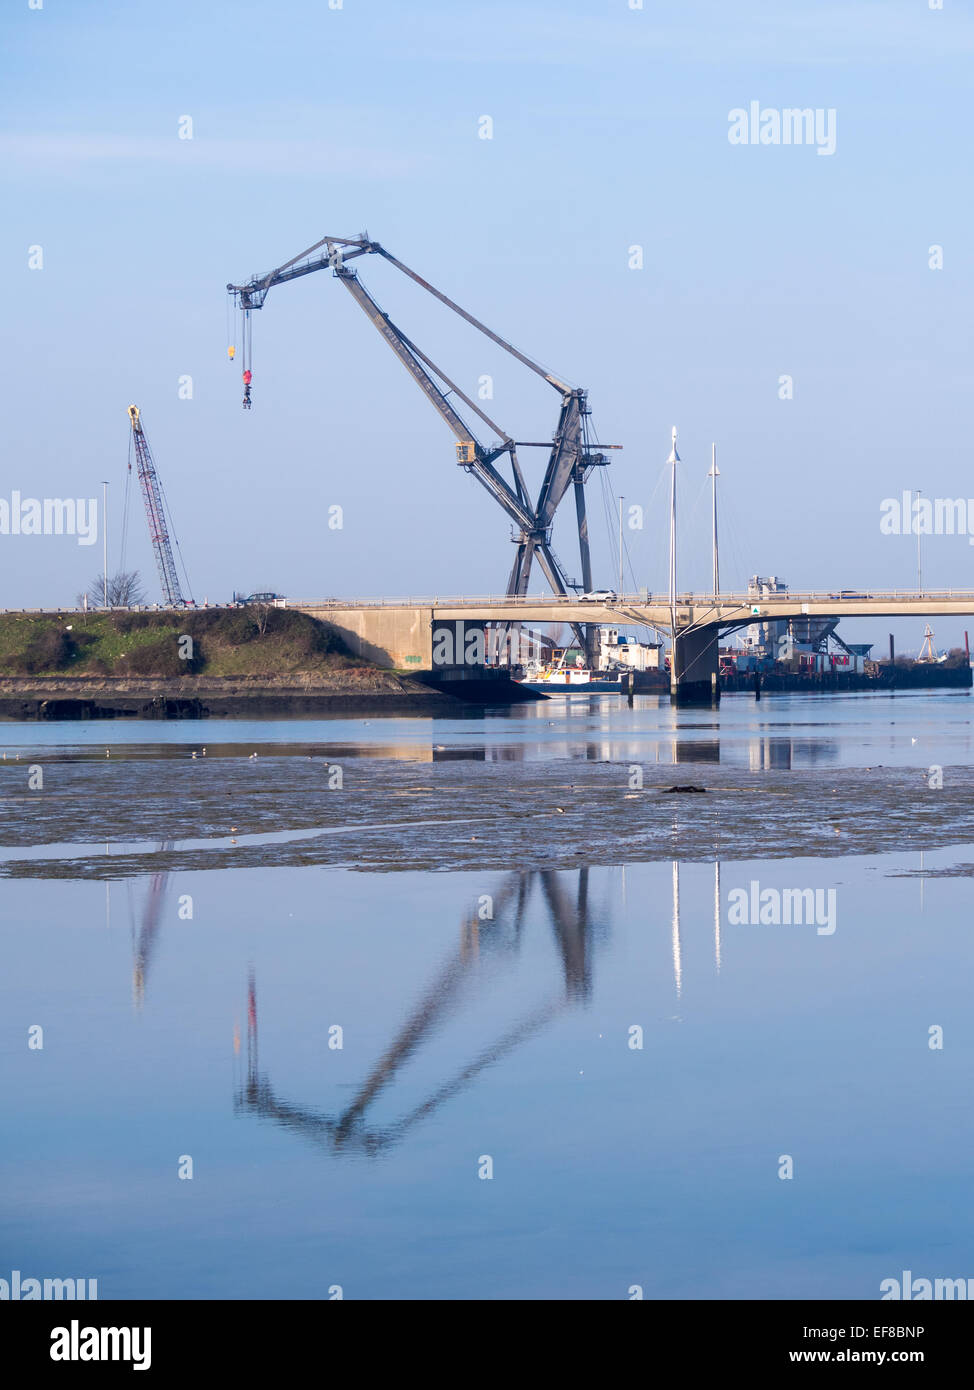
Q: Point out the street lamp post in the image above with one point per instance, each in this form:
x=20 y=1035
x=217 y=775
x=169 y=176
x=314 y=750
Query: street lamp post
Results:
x=104 y=537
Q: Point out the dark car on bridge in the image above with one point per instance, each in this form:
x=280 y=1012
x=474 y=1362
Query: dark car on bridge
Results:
x=278 y=600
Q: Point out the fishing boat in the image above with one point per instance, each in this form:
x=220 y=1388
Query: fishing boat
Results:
x=565 y=673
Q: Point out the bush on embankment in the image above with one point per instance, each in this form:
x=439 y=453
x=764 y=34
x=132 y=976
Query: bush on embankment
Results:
x=253 y=641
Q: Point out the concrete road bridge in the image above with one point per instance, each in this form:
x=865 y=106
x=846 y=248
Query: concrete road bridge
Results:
x=399 y=633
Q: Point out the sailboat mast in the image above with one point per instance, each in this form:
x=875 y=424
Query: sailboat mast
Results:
x=714 y=475
x=673 y=460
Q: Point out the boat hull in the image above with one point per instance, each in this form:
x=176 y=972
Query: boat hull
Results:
x=563 y=687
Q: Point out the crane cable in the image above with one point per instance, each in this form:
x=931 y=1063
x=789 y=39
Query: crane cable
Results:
x=246 y=334
x=246 y=330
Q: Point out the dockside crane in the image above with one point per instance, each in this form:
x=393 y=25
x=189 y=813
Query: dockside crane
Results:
x=155 y=512
x=572 y=451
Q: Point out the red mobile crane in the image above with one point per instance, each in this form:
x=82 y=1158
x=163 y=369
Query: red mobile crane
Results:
x=156 y=515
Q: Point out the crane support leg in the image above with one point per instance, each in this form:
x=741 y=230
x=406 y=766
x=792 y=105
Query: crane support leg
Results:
x=583 y=547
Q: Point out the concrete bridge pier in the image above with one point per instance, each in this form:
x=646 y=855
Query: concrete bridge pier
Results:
x=695 y=667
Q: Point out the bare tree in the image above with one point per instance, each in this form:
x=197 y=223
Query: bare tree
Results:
x=125 y=590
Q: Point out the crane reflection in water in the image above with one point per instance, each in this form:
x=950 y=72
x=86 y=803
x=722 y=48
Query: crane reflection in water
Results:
x=350 y=1130
x=144 y=941
x=575 y=928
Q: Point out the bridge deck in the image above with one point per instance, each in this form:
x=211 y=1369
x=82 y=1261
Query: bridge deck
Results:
x=654 y=610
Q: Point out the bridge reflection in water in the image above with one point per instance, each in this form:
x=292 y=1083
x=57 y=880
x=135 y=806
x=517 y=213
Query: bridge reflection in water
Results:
x=574 y=928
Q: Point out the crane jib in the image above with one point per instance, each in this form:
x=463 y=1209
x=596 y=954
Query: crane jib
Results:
x=156 y=514
x=572 y=452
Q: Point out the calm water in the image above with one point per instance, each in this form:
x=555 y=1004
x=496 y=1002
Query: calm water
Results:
x=487 y=1019
x=781 y=731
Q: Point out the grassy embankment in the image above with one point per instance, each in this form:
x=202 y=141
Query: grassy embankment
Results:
x=251 y=641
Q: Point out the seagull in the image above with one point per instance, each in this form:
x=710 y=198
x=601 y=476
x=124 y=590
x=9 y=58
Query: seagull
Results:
x=913 y=740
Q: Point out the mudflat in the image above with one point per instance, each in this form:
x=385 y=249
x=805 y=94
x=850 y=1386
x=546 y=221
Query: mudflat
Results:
x=164 y=808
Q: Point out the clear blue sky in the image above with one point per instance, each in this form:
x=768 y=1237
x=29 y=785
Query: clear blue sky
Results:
x=610 y=130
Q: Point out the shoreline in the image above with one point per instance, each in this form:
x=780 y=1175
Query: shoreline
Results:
x=378 y=693
x=370 y=692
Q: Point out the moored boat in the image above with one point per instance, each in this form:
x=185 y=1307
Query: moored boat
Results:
x=566 y=674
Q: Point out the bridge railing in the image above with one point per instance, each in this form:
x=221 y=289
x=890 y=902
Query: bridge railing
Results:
x=837 y=597
x=834 y=597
